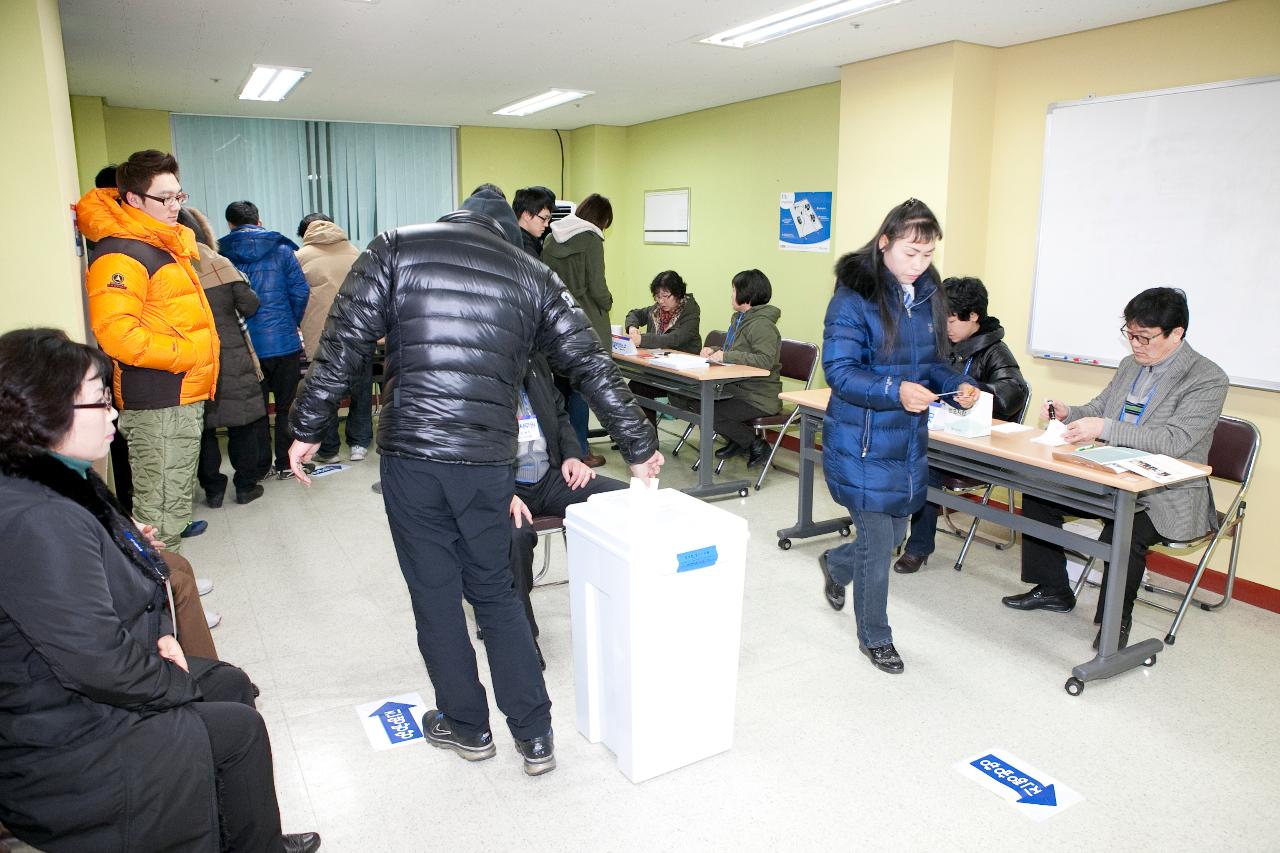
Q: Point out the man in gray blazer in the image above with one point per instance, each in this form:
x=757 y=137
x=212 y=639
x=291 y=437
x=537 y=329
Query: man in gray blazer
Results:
x=1165 y=398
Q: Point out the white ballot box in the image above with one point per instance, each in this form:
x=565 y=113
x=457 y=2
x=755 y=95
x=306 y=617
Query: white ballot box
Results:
x=655 y=586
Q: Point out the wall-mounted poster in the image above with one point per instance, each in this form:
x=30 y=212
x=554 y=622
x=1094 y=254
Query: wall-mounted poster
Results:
x=804 y=222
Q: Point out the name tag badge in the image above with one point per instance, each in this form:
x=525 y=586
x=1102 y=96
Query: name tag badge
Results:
x=529 y=429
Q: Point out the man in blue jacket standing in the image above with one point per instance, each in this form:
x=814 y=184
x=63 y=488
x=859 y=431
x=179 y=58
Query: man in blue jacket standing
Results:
x=266 y=258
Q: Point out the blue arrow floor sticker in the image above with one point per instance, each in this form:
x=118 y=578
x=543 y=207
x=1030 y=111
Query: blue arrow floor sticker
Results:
x=1033 y=793
x=394 y=721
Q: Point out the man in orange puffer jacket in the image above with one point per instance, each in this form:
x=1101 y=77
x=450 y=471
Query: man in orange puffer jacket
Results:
x=149 y=314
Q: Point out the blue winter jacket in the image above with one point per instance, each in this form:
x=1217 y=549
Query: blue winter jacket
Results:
x=874 y=452
x=266 y=258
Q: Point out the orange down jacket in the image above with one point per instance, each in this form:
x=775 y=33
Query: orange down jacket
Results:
x=146 y=306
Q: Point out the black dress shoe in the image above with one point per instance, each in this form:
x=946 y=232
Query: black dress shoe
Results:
x=539 y=754
x=439 y=732
x=730 y=450
x=1125 y=625
x=250 y=494
x=301 y=842
x=1041 y=597
x=909 y=564
x=884 y=658
x=833 y=591
x=759 y=452
x=214 y=499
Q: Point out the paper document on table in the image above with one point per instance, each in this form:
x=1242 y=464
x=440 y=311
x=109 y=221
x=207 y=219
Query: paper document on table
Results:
x=1163 y=469
x=1010 y=427
x=680 y=361
x=1052 y=434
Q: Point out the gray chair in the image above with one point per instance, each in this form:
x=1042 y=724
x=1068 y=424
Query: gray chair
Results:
x=1232 y=456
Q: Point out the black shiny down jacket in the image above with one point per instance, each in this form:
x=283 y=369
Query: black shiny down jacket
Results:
x=461 y=309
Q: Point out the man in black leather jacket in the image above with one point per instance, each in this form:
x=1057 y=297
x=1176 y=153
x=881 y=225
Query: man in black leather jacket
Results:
x=462 y=306
x=978 y=351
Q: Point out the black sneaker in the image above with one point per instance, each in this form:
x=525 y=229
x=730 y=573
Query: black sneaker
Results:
x=833 y=591
x=439 y=732
x=250 y=494
x=884 y=658
x=214 y=499
x=538 y=754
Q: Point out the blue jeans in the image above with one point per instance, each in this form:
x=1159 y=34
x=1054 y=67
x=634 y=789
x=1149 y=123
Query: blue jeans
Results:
x=924 y=523
x=864 y=562
x=359 y=415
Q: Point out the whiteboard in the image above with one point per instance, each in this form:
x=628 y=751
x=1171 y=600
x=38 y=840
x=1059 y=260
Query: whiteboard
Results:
x=1176 y=188
x=666 y=216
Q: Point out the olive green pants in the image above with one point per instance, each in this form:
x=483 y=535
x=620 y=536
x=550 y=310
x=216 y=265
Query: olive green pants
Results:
x=164 y=449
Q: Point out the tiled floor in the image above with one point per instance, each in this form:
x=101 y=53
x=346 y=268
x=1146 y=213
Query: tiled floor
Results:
x=829 y=753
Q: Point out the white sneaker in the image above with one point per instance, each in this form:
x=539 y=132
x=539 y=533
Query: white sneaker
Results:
x=212 y=618
x=204 y=586
x=358 y=453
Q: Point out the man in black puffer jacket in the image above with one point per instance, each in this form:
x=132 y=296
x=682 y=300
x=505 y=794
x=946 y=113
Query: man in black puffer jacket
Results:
x=979 y=352
x=462 y=306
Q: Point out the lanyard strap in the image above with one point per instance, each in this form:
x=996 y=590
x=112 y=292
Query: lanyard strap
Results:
x=733 y=330
x=1138 y=409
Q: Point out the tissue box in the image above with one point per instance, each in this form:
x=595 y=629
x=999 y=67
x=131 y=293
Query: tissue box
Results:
x=622 y=345
x=970 y=423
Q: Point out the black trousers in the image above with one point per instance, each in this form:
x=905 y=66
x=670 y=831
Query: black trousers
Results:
x=451 y=528
x=243 y=446
x=732 y=418
x=549 y=496
x=642 y=389
x=248 y=813
x=121 y=472
x=1046 y=563
x=280 y=378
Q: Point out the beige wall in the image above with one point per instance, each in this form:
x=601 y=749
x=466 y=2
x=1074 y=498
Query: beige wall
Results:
x=106 y=134
x=39 y=251
x=973 y=115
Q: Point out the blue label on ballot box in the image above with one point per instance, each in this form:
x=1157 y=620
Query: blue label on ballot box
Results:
x=697 y=559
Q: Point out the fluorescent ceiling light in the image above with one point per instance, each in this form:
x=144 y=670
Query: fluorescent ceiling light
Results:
x=794 y=20
x=537 y=103
x=271 y=82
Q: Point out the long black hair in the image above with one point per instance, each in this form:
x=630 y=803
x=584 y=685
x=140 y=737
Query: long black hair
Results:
x=863 y=271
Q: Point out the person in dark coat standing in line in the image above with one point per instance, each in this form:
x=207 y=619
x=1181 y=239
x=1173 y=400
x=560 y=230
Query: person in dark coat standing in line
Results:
x=238 y=404
x=882 y=352
x=978 y=351
x=111 y=738
x=575 y=251
x=462 y=306
x=533 y=206
x=267 y=258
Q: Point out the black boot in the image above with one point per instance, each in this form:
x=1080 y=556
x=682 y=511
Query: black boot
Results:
x=759 y=452
x=730 y=450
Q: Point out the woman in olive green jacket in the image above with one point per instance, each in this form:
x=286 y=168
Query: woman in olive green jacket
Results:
x=753 y=339
x=575 y=251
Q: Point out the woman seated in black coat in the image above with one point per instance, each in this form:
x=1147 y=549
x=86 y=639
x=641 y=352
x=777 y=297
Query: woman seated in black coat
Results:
x=979 y=352
x=110 y=737
x=670 y=323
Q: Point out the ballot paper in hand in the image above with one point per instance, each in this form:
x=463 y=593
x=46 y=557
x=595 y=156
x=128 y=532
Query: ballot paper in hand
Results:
x=1052 y=435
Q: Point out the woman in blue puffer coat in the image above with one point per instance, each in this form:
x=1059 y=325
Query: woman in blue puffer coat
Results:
x=883 y=352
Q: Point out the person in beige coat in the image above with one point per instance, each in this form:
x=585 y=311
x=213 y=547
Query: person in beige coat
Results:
x=326 y=257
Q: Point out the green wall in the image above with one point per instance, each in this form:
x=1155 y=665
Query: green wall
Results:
x=106 y=134
x=509 y=158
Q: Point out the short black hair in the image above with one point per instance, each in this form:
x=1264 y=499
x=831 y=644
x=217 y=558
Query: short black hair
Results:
x=106 y=177
x=596 y=209
x=670 y=281
x=493 y=188
x=533 y=200
x=752 y=287
x=242 y=213
x=41 y=371
x=309 y=218
x=966 y=296
x=136 y=174
x=1163 y=308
